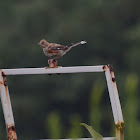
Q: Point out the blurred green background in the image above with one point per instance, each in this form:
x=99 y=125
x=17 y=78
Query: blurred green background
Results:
x=54 y=106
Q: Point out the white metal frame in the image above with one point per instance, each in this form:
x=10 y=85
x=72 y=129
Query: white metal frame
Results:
x=111 y=83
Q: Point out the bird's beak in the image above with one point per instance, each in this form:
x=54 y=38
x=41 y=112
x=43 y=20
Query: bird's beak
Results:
x=39 y=44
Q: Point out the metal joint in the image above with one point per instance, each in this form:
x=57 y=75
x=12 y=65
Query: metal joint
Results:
x=120 y=126
x=11 y=132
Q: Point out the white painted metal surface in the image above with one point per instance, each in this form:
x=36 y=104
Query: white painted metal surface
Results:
x=114 y=98
x=111 y=83
x=7 y=108
x=6 y=103
x=24 y=71
x=106 y=138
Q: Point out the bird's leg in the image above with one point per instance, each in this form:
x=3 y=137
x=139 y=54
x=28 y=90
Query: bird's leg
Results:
x=52 y=63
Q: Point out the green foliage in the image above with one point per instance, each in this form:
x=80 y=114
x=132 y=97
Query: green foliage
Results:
x=131 y=107
x=94 y=134
x=54 y=127
x=75 y=131
x=95 y=97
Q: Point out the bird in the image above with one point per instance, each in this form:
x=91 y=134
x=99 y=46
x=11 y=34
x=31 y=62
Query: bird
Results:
x=55 y=51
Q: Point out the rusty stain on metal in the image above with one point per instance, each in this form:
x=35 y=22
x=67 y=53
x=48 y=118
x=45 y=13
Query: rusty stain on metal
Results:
x=110 y=68
x=120 y=126
x=11 y=132
x=2 y=73
x=114 y=79
x=112 y=74
x=5 y=84
x=7 y=96
x=104 y=68
x=1 y=82
x=111 y=71
x=6 y=88
x=4 y=78
x=120 y=130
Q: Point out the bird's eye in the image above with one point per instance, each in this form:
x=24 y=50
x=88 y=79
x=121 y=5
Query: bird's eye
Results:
x=42 y=43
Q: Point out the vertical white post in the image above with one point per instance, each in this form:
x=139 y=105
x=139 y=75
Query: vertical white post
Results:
x=7 y=109
x=115 y=102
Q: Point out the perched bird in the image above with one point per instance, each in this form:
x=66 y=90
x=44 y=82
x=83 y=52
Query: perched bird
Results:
x=55 y=51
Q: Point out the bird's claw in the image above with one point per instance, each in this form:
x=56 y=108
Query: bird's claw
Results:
x=52 y=64
x=52 y=67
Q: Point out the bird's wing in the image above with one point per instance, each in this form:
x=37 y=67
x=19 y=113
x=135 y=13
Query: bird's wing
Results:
x=54 y=46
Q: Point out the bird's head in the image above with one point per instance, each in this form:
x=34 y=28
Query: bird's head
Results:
x=43 y=43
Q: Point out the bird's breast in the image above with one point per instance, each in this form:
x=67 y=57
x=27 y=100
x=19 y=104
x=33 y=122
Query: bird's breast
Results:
x=52 y=53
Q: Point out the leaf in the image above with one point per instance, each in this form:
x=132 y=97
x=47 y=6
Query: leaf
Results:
x=93 y=133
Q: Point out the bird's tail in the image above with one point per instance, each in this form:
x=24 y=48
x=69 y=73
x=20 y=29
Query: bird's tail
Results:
x=76 y=44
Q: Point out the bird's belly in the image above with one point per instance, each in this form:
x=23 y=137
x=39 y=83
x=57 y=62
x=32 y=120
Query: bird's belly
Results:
x=49 y=54
x=54 y=55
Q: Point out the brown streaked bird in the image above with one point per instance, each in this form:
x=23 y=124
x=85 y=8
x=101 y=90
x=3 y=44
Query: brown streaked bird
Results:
x=55 y=51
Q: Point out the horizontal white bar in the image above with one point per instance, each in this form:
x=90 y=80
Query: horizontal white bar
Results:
x=106 y=138
x=77 y=69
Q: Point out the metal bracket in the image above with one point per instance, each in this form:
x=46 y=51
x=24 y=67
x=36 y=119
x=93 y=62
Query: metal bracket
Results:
x=111 y=83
